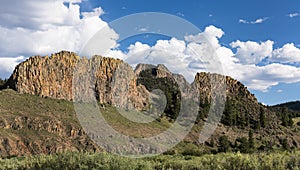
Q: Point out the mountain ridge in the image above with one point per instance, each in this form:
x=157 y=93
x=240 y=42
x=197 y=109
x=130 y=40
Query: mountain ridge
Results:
x=44 y=81
x=115 y=84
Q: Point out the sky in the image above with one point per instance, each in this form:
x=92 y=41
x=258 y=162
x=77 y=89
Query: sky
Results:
x=255 y=42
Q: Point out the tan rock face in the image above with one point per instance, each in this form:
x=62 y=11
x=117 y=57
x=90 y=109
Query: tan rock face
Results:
x=233 y=87
x=110 y=80
x=45 y=76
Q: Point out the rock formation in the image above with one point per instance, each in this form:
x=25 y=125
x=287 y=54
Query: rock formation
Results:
x=65 y=75
x=111 y=80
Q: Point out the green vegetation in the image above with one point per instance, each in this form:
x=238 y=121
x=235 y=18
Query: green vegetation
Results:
x=224 y=144
x=203 y=110
x=2 y=82
x=75 y=160
x=127 y=127
x=262 y=117
x=167 y=85
x=237 y=113
x=287 y=112
x=239 y=118
x=286 y=117
x=290 y=105
x=44 y=109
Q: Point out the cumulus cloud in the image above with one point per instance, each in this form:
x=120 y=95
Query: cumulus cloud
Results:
x=187 y=56
x=37 y=27
x=287 y=54
x=36 y=14
x=8 y=64
x=257 y=21
x=252 y=52
x=210 y=35
x=96 y=13
x=203 y=52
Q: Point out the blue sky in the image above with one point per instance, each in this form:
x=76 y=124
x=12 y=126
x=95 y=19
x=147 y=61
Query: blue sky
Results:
x=257 y=41
x=278 y=26
x=224 y=14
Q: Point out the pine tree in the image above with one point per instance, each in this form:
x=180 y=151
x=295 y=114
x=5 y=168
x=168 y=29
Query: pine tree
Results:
x=291 y=122
x=224 y=144
x=229 y=114
x=244 y=145
x=212 y=142
x=251 y=139
x=262 y=117
x=284 y=117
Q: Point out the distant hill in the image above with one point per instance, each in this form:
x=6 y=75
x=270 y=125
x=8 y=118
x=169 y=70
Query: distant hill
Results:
x=37 y=114
x=295 y=105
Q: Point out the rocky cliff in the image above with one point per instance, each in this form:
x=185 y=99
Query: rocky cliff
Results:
x=234 y=88
x=112 y=81
x=65 y=75
x=59 y=76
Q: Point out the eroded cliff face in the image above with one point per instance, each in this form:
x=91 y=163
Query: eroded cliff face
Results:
x=45 y=76
x=207 y=82
x=65 y=75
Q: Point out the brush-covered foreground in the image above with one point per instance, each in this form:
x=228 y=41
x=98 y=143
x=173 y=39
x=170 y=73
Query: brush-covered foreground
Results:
x=76 y=160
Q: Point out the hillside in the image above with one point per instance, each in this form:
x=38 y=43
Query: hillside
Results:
x=35 y=125
x=37 y=114
x=295 y=105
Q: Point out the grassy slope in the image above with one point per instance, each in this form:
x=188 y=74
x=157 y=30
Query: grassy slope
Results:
x=28 y=117
x=14 y=105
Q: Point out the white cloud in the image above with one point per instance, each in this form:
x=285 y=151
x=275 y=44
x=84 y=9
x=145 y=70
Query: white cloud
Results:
x=292 y=15
x=287 y=54
x=179 y=56
x=36 y=14
x=35 y=27
x=7 y=64
x=263 y=77
x=202 y=52
x=257 y=21
x=252 y=52
x=210 y=35
x=243 y=21
x=138 y=53
x=96 y=13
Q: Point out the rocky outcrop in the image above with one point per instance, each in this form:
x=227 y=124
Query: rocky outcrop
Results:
x=110 y=80
x=65 y=75
x=45 y=76
x=47 y=136
x=234 y=88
